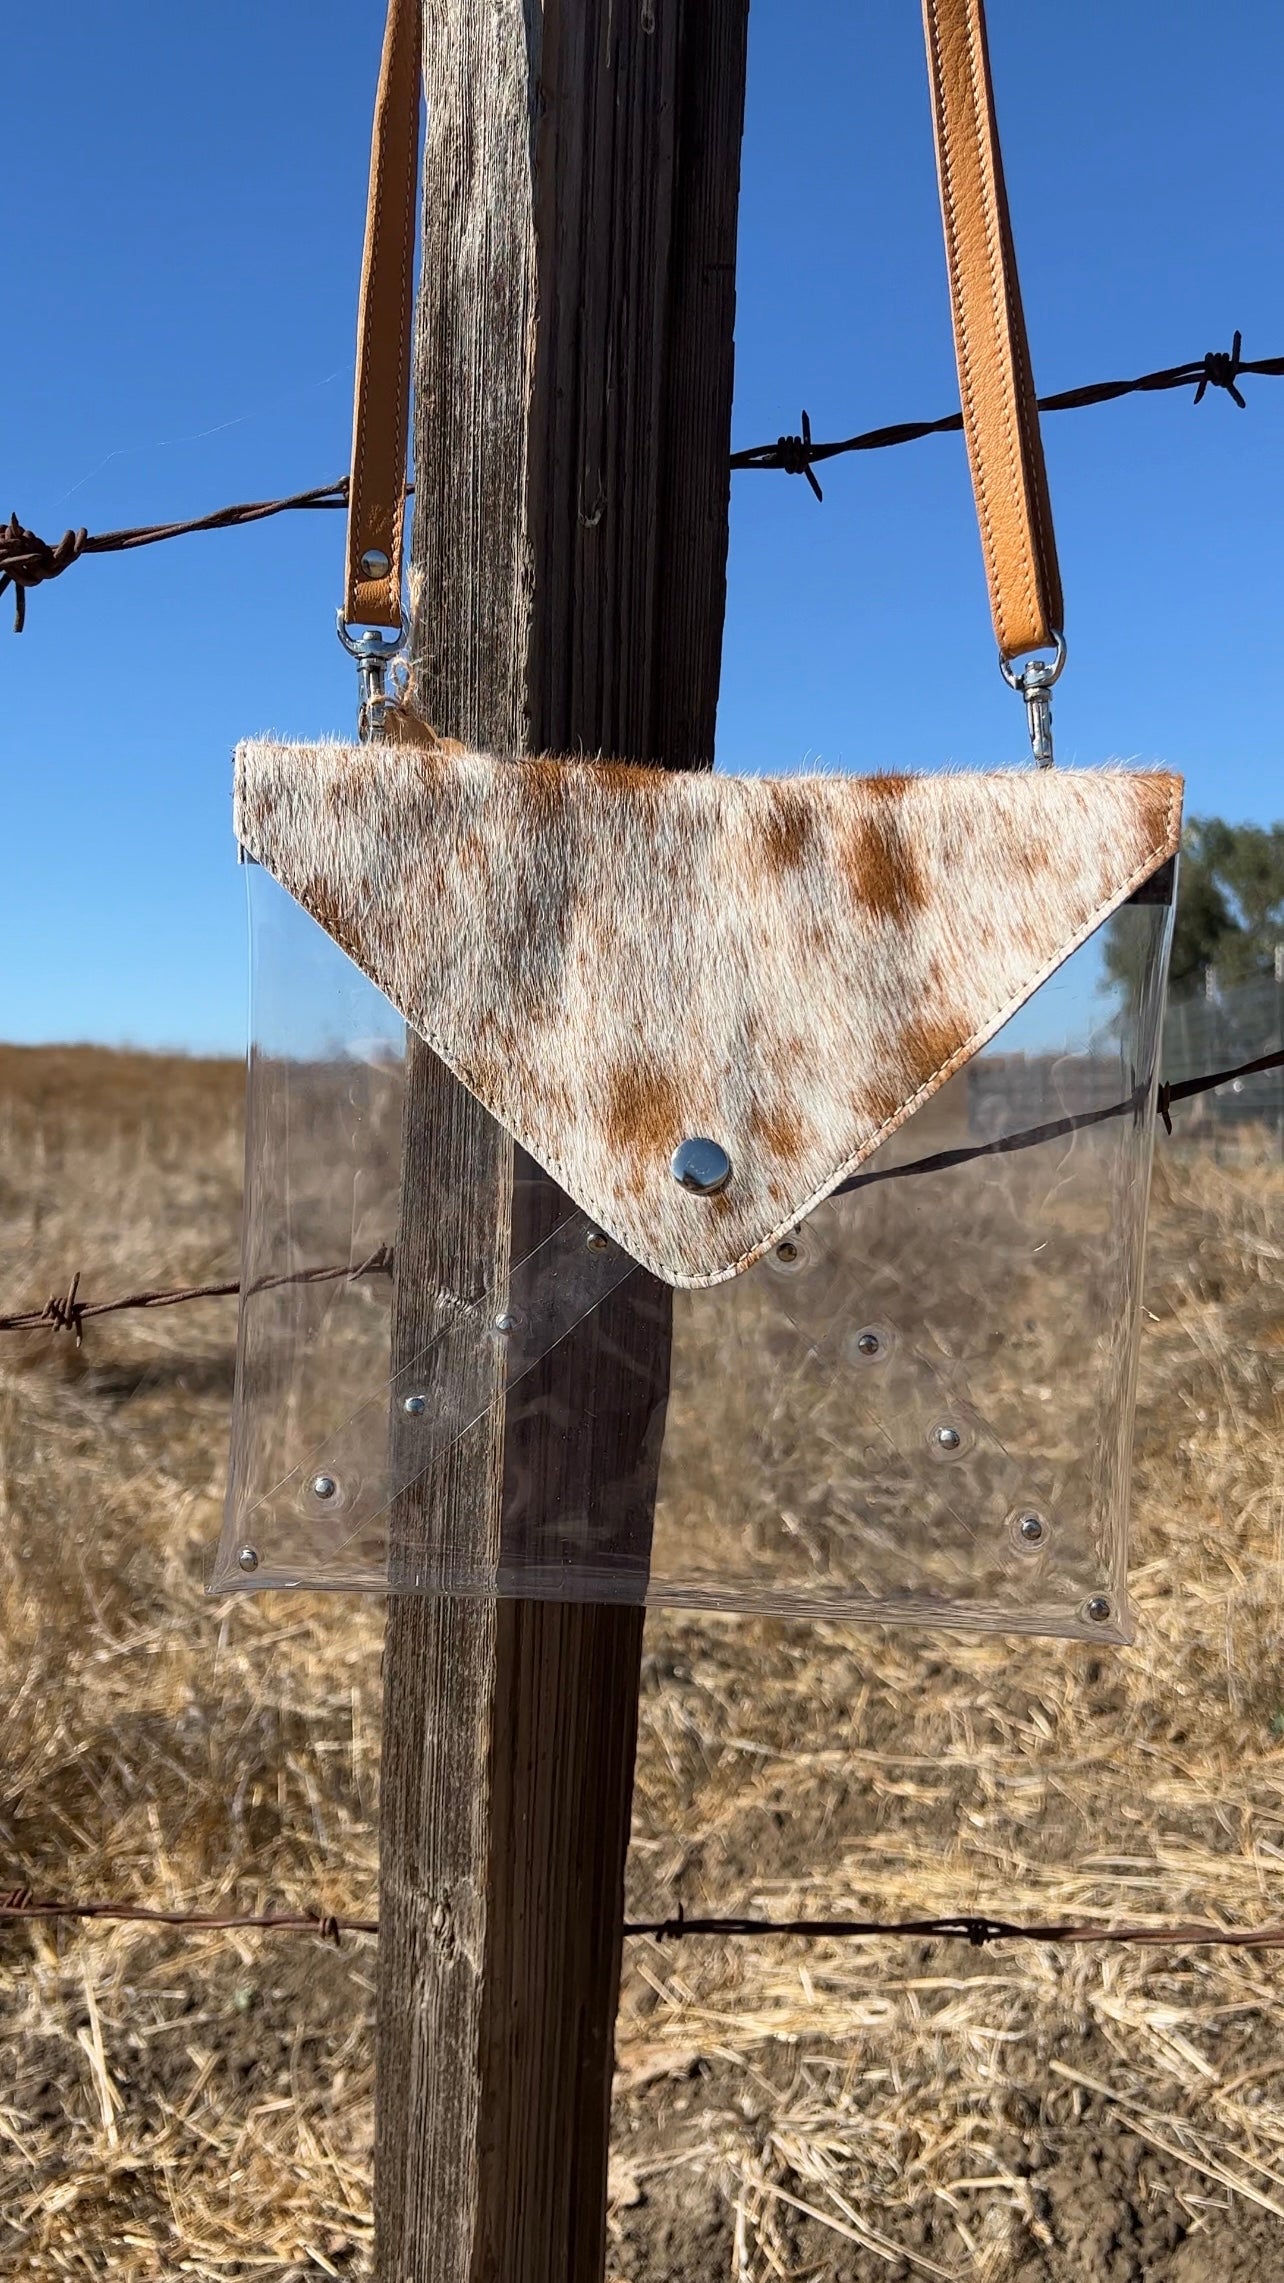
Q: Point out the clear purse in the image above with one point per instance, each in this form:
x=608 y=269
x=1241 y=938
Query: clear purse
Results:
x=848 y=1080
x=916 y=1404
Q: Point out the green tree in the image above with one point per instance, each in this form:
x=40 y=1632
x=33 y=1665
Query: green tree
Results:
x=1230 y=907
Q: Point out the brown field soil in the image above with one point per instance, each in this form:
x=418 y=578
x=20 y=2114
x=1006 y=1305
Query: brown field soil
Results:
x=201 y=2106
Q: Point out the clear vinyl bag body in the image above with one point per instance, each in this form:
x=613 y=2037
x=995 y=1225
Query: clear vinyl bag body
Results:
x=917 y=1406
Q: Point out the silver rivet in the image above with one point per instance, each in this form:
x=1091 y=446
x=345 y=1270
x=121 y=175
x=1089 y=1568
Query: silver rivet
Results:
x=701 y=1165
x=416 y=1405
x=375 y=564
x=1098 y=1609
x=868 y=1344
x=947 y=1438
x=505 y=1323
x=248 y=1558
x=324 y=1486
x=1030 y=1529
x=787 y=1251
x=596 y=1242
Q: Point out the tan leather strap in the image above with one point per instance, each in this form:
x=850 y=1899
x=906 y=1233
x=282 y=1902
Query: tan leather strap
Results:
x=1000 y=414
x=377 y=497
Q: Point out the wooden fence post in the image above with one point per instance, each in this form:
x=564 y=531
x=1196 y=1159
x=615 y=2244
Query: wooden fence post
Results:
x=574 y=372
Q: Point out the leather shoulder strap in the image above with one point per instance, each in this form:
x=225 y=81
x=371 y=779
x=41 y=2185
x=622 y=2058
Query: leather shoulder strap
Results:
x=377 y=493
x=1000 y=413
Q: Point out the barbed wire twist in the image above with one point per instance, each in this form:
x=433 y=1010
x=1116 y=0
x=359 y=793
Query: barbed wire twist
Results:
x=28 y=561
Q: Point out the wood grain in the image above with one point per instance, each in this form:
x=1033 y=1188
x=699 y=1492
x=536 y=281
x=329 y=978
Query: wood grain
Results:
x=569 y=562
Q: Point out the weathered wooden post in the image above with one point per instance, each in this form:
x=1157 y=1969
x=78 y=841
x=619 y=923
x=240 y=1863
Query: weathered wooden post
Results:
x=575 y=326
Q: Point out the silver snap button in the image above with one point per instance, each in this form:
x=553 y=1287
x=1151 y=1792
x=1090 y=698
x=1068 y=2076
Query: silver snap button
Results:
x=248 y=1558
x=324 y=1486
x=701 y=1166
x=375 y=564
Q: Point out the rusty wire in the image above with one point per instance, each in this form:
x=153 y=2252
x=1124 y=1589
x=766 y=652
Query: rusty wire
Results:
x=28 y=561
x=20 y=1902
x=964 y=1926
x=67 y=1312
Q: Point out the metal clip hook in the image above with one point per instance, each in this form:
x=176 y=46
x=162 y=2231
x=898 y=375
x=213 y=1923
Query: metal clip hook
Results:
x=1034 y=683
x=374 y=653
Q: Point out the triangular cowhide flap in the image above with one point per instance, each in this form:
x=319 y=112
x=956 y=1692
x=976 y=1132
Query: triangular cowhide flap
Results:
x=615 y=959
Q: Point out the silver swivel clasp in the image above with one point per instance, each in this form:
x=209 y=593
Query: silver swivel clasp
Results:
x=1034 y=683
x=375 y=654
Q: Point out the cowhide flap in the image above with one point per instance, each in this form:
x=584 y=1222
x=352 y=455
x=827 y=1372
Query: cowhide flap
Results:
x=616 y=959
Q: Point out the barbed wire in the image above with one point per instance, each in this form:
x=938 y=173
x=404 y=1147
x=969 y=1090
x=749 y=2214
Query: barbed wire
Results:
x=1170 y=1092
x=27 y=560
x=972 y=1927
x=20 y=1902
x=67 y=1312
x=964 y=1926
x=1218 y=368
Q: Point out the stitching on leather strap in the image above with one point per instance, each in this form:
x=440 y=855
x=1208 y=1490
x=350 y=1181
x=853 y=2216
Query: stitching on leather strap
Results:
x=996 y=248
x=963 y=326
x=376 y=500
x=1000 y=418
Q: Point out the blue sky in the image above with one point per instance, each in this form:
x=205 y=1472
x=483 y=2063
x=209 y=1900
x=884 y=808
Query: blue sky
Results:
x=181 y=284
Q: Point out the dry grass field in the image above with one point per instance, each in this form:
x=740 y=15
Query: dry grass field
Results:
x=202 y=2106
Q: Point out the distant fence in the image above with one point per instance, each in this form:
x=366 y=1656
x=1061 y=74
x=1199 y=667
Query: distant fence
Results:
x=1011 y=1090
x=1204 y=1033
x=1215 y=1031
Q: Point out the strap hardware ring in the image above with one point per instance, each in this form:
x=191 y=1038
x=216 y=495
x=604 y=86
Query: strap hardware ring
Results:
x=1034 y=683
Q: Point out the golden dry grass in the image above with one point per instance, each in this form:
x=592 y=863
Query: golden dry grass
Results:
x=171 y=2105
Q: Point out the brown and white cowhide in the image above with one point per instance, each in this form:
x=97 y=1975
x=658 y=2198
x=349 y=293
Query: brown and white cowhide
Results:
x=614 y=959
